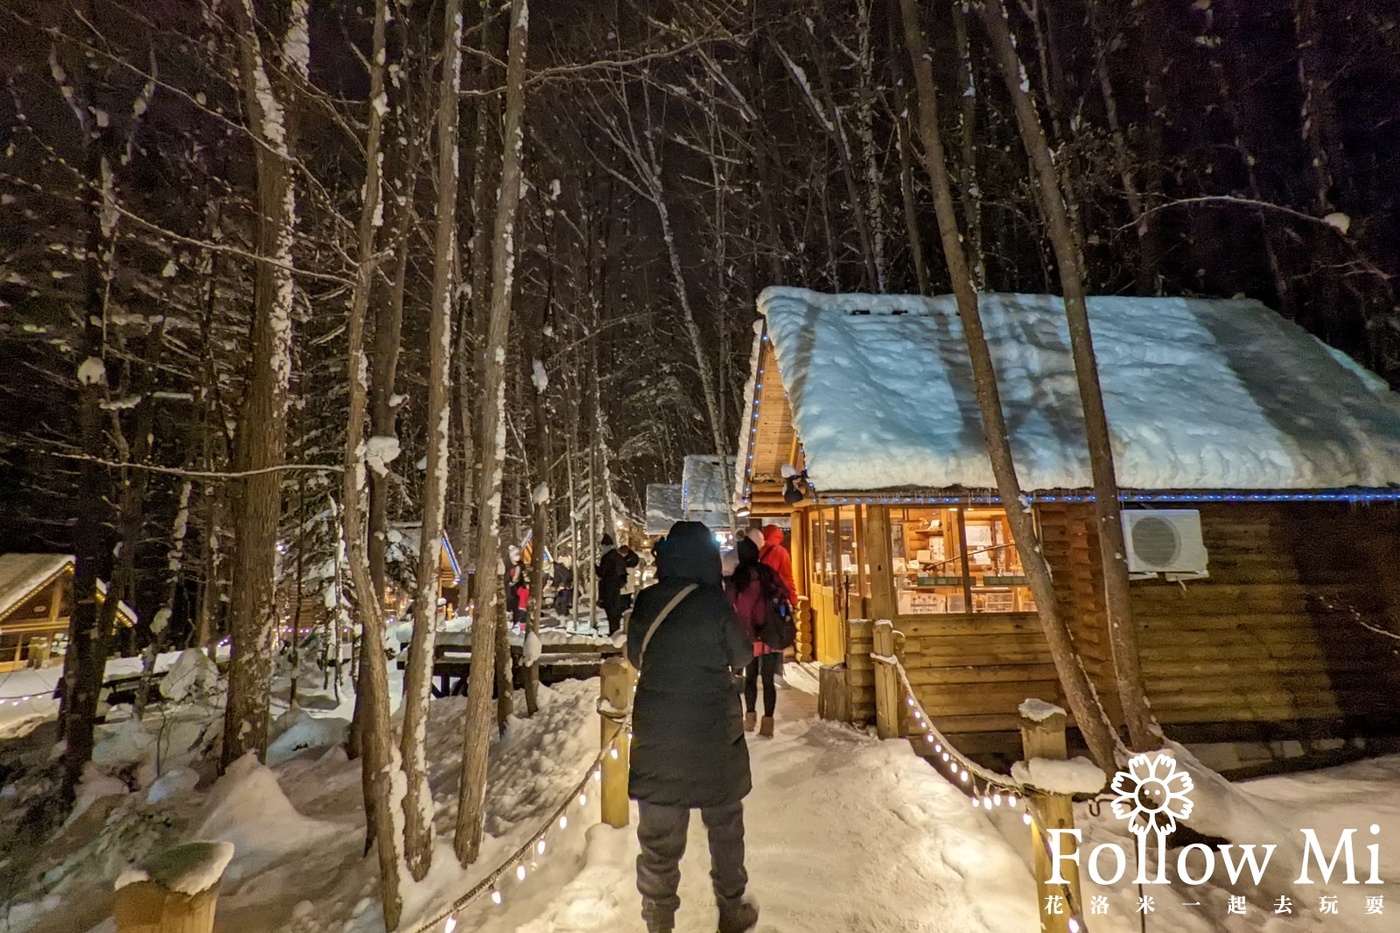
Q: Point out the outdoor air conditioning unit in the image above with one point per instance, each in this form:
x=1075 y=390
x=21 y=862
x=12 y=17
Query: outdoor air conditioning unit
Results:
x=1165 y=541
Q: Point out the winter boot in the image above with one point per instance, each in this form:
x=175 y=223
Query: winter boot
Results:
x=740 y=919
x=750 y=721
x=765 y=729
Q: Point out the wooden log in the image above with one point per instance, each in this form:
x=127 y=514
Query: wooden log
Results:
x=616 y=696
x=178 y=893
x=1046 y=739
x=887 y=692
x=833 y=697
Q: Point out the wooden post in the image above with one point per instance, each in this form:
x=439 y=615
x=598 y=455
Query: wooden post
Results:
x=616 y=697
x=1046 y=739
x=887 y=714
x=163 y=903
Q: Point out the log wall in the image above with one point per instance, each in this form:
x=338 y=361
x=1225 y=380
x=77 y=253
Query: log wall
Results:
x=1274 y=636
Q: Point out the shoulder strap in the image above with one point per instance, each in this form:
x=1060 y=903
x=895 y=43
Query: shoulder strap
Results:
x=661 y=617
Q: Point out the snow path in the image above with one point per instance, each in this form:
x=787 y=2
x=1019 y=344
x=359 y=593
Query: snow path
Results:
x=844 y=833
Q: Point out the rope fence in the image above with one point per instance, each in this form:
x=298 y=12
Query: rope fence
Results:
x=988 y=789
x=615 y=712
x=525 y=858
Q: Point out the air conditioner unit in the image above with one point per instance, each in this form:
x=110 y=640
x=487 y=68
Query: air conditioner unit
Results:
x=1166 y=541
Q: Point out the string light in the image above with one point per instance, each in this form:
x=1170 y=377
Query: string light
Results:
x=539 y=847
x=450 y=925
x=1341 y=495
x=520 y=873
x=495 y=897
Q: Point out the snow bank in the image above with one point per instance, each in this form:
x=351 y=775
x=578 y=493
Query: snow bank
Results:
x=186 y=869
x=1199 y=395
x=248 y=808
x=172 y=785
x=192 y=673
x=299 y=730
x=1078 y=776
x=94 y=786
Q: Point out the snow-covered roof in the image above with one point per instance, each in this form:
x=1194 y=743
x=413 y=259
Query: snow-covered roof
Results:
x=22 y=575
x=702 y=489
x=1219 y=395
x=663 y=507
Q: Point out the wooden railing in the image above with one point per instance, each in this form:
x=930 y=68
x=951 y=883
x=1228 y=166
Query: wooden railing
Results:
x=1060 y=905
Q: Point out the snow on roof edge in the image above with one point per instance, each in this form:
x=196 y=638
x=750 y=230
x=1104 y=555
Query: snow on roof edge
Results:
x=1192 y=389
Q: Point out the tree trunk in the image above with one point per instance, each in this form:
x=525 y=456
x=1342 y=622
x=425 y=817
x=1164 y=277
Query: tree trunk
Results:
x=969 y=191
x=373 y=701
x=418 y=800
x=1079 y=690
x=1143 y=730
x=262 y=428
x=539 y=532
x=388 y=340
x=1122 y=156
x=472 y=791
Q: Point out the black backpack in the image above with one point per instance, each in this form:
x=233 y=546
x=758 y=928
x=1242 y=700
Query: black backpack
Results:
x=779 y=627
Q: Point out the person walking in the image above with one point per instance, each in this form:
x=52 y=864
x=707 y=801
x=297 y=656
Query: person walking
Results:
x=688 y=749
x=563 y=587
x=612 y=574
x=776 y=555
x=750 y=590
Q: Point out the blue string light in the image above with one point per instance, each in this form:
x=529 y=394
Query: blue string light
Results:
x=1340 y=495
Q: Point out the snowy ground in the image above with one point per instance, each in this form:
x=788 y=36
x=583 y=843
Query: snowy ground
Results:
x=845 y=833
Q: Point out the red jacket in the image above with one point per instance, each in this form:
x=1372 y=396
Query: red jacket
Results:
x=775 y=555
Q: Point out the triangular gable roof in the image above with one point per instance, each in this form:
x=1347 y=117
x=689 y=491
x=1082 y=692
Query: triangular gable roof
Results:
x=23 y=576
x=663 y=507
x=702 y=489
x=1200 y=395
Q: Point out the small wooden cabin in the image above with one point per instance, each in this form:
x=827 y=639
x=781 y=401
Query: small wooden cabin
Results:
x=318 y=594
x=703 y=491
x=1259 y=469
x=663 y=509
x=36 y=602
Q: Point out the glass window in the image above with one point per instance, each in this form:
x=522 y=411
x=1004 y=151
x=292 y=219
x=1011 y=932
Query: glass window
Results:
x=829 y=550
x=956 y=560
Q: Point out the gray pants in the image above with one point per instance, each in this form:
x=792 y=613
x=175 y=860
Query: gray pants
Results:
x=661 y=832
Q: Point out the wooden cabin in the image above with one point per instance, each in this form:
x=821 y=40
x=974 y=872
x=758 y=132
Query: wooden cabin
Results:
x=36 y=602
x=663 y=509
x=1258 y=468
x=703 y=491
x=308 y=611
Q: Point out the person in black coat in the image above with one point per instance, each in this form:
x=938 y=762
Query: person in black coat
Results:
x=688 y=749
x=612 y=576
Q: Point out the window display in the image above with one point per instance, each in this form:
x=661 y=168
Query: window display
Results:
x=956 y=560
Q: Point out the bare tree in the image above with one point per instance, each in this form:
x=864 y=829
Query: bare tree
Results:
x=471 y=797
x=1143 y=731
x=262 y=431
x=1079 y=690
x=378 y=758
x=417 y=804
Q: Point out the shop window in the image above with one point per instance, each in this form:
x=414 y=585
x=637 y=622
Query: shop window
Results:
x=956 y=560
